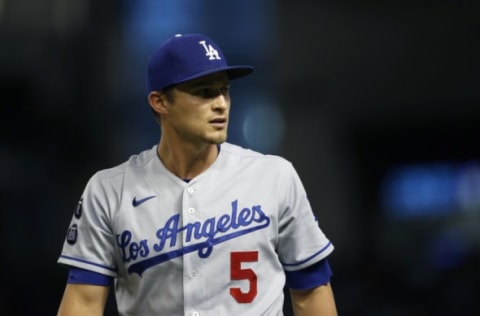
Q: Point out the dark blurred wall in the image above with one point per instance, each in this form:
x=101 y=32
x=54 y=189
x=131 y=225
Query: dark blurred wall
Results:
x=55 y=122
x=363 y=85
x=368 y=85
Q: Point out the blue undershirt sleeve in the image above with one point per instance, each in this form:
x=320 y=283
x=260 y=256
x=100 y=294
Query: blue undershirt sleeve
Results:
x=310 y=277
x=81 y=276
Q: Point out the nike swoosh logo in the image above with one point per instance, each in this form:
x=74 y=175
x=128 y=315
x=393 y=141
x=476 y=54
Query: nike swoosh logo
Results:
x=136 y=202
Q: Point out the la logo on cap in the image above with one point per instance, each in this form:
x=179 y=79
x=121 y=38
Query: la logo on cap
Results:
x=211 y=52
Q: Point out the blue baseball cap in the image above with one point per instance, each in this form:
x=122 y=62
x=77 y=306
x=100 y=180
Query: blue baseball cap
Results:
x=186 y=57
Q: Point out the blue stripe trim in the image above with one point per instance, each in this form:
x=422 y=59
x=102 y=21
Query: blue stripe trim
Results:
x=90 y=263
x=81 y=276
x=309 y=258
x=315 y=275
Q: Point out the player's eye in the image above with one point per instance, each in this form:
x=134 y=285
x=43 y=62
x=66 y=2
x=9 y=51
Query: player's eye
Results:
x=208 y=93
x=225 y=90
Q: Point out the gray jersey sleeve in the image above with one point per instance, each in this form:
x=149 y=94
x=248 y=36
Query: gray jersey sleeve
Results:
x=301 y=241
x=89 y=243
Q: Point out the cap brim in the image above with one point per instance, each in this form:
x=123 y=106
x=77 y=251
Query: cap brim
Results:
x=233 y=72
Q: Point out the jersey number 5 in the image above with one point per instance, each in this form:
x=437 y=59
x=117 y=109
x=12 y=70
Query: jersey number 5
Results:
x=237 y=273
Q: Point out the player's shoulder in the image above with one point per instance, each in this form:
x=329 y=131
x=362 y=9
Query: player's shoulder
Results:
x=136 y=161
x=241 y=153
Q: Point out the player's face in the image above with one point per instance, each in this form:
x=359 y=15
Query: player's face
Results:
x=200 y=109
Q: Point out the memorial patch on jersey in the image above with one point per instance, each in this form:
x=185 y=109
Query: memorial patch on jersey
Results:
x=72 y=233
x=78 y=209
x=206 y=234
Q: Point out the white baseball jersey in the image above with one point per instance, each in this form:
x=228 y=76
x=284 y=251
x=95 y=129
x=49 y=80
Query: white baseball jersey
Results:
x=217 y=245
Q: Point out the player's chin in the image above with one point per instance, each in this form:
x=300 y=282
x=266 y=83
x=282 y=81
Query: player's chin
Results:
x=217 y=137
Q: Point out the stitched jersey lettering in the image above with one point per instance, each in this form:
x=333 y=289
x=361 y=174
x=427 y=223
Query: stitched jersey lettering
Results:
x=204 y=236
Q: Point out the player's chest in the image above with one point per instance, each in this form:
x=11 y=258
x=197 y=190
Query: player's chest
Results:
x=148 y=207
x=166 y=224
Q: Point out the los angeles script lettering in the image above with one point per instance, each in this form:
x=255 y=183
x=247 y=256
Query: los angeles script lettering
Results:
x=238 y=222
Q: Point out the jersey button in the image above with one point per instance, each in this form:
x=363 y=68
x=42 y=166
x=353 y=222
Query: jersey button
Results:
x=195 y=314
x=191 y=210
x=194 y=273
x=190 y=190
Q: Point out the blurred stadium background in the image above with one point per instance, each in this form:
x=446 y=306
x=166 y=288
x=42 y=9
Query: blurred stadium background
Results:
x=375 y=102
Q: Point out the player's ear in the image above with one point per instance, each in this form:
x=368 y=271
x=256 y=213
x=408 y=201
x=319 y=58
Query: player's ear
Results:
x=158 y=102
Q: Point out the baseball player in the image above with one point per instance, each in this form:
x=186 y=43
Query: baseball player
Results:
x=195 y=225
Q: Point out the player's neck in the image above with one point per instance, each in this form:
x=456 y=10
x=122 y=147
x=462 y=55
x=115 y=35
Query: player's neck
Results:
x=186 y=161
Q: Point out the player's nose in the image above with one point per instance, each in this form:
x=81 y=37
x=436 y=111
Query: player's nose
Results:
x=221 y=102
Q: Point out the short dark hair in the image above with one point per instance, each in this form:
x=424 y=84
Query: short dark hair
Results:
x=168 y=91
x=169 y=95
